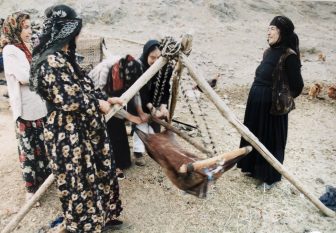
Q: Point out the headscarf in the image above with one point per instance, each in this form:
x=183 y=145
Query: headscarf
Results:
x=149 y=47
x=60 y=27
x=11 y=29
x=288 y=37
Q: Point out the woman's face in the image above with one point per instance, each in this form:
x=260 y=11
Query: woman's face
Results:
x=273 y=34
x=153 y=56
x=26 y=32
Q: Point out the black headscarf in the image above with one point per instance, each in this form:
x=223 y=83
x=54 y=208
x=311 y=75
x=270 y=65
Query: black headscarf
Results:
x=60 y=27
x=149 y=47
x=288 y=38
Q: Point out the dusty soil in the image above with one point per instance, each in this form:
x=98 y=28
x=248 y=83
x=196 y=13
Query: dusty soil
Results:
x=229 y=39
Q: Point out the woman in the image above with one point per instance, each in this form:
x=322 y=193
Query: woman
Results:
x=154 y=96
x=28 y=108
x=119 y=78
x=75 y=131
x=270 y=129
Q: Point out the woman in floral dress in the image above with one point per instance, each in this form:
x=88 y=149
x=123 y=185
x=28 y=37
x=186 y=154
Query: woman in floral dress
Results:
x=28 y=109
x=75 y=132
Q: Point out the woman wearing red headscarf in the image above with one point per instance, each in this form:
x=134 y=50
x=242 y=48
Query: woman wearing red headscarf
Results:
x=28 y=108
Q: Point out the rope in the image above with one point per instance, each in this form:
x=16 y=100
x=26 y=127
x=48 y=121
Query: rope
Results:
x=170 y=48
x=205 y=144
x=157 y=98
x=193 y=116
x=207 y=128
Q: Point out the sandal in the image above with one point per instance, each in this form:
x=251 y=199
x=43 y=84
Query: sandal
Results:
x=120 y=174
x=114 y=224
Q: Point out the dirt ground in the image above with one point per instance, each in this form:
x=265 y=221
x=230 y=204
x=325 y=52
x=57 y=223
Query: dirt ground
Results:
x=229 y=38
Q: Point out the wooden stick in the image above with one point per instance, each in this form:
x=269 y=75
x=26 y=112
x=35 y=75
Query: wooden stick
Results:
x=181 y=134
x=28 y=205
x=185 y=124
x=127 y=96
x=144 y=78
x=200 y=164
x=248 y=136
x=176 y=79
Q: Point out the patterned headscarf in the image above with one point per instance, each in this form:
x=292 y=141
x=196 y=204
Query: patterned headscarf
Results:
x=60 y=27
x=11 y=29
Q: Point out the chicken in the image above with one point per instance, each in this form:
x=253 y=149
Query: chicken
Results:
x=321 y=57
x=332 y=92
x=314 y=90
x=211 y=82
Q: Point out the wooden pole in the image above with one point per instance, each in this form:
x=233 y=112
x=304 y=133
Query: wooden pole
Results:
x=200 y=164
x=186 y=47
x=28 y=205
x=176 y=79
x=127 y=96
x=144 y=78
x=181 y=134
x=248 y=136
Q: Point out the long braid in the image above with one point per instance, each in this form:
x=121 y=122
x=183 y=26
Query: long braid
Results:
x=161 y=82
x=157 y=87
x=164 y=83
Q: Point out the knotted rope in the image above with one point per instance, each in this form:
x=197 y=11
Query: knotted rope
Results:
x=170 y=48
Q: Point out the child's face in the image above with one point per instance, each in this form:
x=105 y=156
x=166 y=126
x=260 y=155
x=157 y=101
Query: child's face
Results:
x=153 y=56
x=26 y=32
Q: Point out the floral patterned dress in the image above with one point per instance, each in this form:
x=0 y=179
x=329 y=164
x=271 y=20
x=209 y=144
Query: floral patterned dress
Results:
x=80 y=151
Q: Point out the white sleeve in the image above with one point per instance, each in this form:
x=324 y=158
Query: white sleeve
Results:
x=100 y=72
x=121 y=114
x=13 y=66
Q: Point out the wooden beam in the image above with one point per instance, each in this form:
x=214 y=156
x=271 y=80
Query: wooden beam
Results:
x=249 y=136
x=176 y=79
x=144 y=78
x=201 y=164
x=28 y=205
x=182 y=135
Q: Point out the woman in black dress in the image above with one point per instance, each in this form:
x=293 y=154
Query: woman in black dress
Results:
x=270 y=129
x=154 y=97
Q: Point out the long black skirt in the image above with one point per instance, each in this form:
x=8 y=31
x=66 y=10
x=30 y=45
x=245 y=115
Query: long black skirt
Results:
x=271 y=131
x=116 y=130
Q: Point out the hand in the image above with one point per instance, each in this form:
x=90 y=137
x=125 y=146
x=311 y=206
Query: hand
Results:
x=150 y=107
x=144 y=117
x=158 y=114
x=116 y=100
x=104 y=106
x=164 y=110
x=135 y=119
